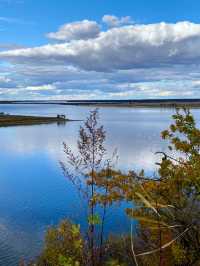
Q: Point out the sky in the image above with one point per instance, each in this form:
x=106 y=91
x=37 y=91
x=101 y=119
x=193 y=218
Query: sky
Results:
x=99 y=49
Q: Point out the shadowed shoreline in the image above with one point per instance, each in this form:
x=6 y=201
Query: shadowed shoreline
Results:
x=17 y=120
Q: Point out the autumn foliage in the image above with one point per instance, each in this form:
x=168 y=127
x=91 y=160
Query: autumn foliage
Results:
x=166 y=206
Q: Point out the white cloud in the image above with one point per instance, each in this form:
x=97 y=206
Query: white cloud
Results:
x=48 y=87
x=126 y=47
x=159 y=60
x=10 y=46
x=80 y=30
x=4 y=79
x=114 y=21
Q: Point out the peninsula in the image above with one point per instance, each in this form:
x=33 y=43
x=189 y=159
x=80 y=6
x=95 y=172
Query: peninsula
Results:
x=16 y=120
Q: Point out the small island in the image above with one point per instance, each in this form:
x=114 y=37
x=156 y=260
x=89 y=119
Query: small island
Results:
x=16 y=120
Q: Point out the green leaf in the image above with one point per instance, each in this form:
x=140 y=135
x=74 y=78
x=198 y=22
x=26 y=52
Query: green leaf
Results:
x=94 y=219
x=75 y=230
x=63 y=261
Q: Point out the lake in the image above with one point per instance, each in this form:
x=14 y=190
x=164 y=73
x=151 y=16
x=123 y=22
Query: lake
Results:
x=33 y=192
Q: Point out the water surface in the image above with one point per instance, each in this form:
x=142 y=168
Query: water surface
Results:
x=33 y=192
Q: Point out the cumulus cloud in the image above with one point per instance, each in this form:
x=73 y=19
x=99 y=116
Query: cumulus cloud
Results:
x=81 y=30
x=114 y=21
x=46 y=82
x=159 y=60
x=128 y=47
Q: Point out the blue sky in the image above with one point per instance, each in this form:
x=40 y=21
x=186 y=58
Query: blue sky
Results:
x=36 y=18
x=99 y=49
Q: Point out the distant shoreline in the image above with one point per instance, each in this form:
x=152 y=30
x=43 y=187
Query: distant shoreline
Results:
x=173 y=103
x=20 y=120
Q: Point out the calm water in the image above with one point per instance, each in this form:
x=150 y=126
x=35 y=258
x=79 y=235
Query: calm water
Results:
x=33 y=192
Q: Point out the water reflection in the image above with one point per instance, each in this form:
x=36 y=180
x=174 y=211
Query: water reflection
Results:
x=33 y=192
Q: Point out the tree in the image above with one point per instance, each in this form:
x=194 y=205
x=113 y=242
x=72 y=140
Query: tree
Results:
x=63 y=246
x=167 y=207
x=87 y=163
